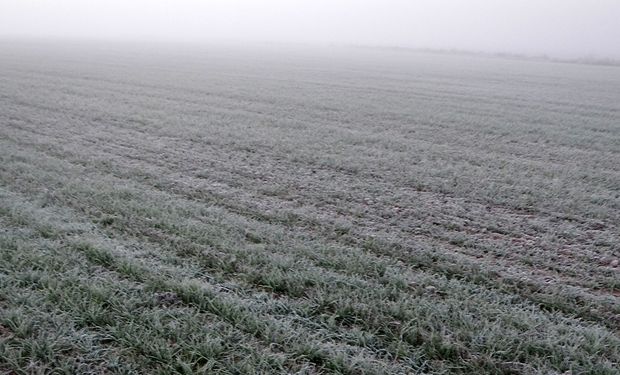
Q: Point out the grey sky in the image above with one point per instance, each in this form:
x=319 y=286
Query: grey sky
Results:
x=561 y=28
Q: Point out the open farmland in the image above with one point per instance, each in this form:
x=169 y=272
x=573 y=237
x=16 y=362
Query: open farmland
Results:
x=282 y=209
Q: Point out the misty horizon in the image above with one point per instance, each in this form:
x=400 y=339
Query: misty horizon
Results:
x=557 y=29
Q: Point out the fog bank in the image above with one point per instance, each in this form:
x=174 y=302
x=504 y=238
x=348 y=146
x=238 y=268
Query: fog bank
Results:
x=558 y=28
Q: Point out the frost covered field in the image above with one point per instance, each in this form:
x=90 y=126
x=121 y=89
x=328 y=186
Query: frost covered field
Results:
x=277 y=209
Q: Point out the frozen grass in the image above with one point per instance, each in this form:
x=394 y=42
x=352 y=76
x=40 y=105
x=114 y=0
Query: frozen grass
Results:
x=322 y=211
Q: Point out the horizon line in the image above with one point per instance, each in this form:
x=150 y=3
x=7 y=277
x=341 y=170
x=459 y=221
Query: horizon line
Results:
x=541 y=57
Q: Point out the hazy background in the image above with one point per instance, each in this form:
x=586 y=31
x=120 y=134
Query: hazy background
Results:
x=558 y=28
